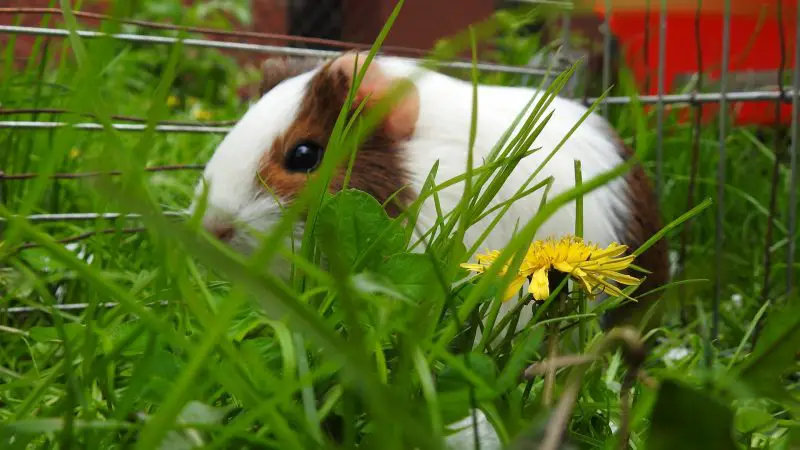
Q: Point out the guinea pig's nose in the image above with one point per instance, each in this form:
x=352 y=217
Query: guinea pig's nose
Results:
x=223 y=231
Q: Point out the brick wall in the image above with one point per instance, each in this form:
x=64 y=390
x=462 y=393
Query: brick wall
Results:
x=420 y=24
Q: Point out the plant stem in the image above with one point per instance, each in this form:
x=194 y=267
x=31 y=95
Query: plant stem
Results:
x=555 y=279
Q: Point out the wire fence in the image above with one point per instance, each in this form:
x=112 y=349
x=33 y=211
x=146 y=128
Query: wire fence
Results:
x=305 y=44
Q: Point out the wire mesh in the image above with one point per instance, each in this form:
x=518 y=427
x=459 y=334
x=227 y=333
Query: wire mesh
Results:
x=315 y=28
x=258 y=48
x=793 y=154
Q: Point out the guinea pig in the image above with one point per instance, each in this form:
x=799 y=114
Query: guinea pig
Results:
x=281 y=140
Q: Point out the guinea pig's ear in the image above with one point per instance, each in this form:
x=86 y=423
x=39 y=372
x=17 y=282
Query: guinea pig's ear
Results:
x=401 y=120
x=275 y=70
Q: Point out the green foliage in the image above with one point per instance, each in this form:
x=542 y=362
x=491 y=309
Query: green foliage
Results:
x=708 y=426
x=206 y=349
x=359 y=224
x=774 y=355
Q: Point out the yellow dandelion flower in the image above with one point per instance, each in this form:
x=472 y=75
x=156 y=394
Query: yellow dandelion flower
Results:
x=74 y=153
x=172 y=101
x=593 y=267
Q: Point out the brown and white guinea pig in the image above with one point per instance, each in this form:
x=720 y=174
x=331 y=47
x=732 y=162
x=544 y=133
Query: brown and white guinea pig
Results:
x=282 y=139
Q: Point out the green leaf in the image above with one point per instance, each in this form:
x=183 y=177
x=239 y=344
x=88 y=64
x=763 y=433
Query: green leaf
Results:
x=689 y=419
x=749 y=419
x=479 y=364
x=354 y=225
x=50 y=334
x=412 y=274
x=775 y=352
x=453 y=385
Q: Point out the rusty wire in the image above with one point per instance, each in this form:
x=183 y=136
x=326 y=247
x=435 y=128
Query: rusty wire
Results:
x=257 y=48
x=695 y=160
x=57 y=111
x=776 y=165
x=84 y=236
x=214 y=31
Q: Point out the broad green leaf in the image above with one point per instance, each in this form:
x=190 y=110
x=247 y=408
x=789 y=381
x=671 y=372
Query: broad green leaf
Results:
x=750 y=419
x=688 y=419
x=359 y=227
x=479 y=364
x=454 y=387
x=774 y=354
x=412 y=274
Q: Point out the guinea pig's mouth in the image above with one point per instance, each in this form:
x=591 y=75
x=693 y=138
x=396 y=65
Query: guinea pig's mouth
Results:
x=249 y=238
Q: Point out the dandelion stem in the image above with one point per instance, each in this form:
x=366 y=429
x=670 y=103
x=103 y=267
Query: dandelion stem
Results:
x=554 y=278
x=583 y=331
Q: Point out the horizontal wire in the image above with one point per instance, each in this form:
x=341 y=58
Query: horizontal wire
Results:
x=66 y=307
x=77 y=217
x=269 y=49
x=83 y=237
x=56 y=111
x=695 y=98
x=673 y=99
x=77 y=175
x=91 y=126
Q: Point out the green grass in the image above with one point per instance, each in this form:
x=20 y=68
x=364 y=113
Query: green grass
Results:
x=205 y=350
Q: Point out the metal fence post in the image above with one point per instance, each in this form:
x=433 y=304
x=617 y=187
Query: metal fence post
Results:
x=720 y=219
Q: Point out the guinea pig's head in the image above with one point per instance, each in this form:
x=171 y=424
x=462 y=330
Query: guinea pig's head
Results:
x=270 y=154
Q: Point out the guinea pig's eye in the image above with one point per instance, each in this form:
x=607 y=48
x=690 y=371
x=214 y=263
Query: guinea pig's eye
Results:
x=304 y=157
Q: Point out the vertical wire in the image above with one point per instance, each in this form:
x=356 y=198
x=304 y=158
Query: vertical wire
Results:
x=662 y=56
x=695 y=163
x=792 y=247
x=606 y=53
x=720 y=219
x=776 y=165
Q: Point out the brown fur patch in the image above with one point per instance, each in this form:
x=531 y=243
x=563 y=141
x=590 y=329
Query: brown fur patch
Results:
x=378 y=169
x=644 y=222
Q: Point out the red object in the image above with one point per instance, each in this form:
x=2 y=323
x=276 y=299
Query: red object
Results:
x=754 y=59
